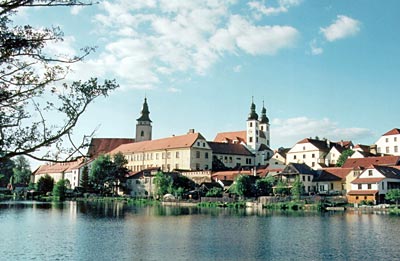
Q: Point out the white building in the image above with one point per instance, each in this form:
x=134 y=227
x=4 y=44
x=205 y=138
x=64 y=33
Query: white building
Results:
x=389 y=143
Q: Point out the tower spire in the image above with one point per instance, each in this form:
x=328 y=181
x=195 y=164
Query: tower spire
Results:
x=252 y=115
x=145 y=112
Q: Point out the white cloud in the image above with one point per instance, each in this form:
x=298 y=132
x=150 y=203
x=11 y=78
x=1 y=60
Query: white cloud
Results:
x=76 y=9
x=261 y=9
x=174 y=90
x=286 y=132
x=342 y=27
x=315 y=49
x=150 y=39
x=237 y=68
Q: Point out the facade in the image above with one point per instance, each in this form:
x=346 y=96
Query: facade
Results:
x=231 y=155
x=309 y=151
x=389 y=143
x=336 y=151
x=186 y=152
x=278 y=160
x=141 y=184
x=373 y=183
x=305 y=174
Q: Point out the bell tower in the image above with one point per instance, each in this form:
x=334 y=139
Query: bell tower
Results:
x=143 y=125
x=253 y=135
x=264 y=124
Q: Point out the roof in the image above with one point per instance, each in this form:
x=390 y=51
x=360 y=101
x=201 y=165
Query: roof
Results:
x=59 y=167
x=320 y=144
x=367 y=180
x=100 y=146
x=234 y=137
x=366 y=162
x=231 y=174
x=229 y=148
x=338 y=172
x=326 y=176
x=365 y=148
x=298 y=168
x=264 y=147
x=174 y=142
x=282 y=151
x=363 y=192
x=394 y=131
x=389 y=172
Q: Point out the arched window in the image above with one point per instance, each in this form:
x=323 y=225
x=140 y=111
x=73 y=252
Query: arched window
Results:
x=142 y=134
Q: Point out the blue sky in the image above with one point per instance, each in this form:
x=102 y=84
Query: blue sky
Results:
x=323 y=68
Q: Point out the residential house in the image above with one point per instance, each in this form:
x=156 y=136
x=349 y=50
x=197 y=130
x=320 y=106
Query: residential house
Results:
x=334 y=180
x=363 y=151
x=141 y=184
x=232 y=155
x=278 y=160
x=373 y=184
x=309 y=151
x=185 y=152
x=336 y=151
x=302 y=171
x=389 y=143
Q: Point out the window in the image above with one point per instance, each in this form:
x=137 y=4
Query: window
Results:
x=359 y=186
x=369 y=186
x=156 y=156
x=308 y=178
x=198 y=143
x=395 y=139
x=331 y=186
x=230 y=159
x=304 y=147
x=313 y=155
x=250 y=139
x=383 y=185
x=204 y=144
x=356 y=197
x=304 y=178
x=370 y=172
x=396 y=149
x=177 y=154
x=198 y=154
x=251 y=124
x=256 y=132
x=206 y=155
x=365 y=197
x=387 y=150
x=294 y=157
x=262 y=128
x=387 y=139
x=142 y=134
x=304 y=156
x=197 y=166
x=163 y=155
x=168 y=155
x=313 y=164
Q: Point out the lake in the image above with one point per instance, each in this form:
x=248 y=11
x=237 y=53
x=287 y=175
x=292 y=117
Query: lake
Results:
x=118 y=231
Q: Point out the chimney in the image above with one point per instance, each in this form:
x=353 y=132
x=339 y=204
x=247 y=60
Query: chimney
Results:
x=191 y=131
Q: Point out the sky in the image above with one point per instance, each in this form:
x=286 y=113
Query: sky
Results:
x=322 y=68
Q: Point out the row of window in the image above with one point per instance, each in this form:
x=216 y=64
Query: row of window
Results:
x=158 y=155
x=304 y=156
x=387 y=149
x=394 y=139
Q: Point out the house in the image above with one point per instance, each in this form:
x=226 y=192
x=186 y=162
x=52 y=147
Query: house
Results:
x=334 y=180
x=278 y=159
x=141 y=184
x=336 y=151
x=389 y=143
x=71 y=171
x=363 y=151
x=302 y=171
x=231 y=155
x=185 y=152
x=309 y=151
x=346 y=175
x=373 y=184
x=366 y=162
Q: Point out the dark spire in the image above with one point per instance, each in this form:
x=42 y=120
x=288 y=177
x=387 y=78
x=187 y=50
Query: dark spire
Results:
x=264 y=118
x=145 y=112
x=252 y=115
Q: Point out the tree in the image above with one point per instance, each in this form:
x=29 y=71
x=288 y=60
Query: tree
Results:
x=264 y=186
x=281 y=187
x=30 y=74
x=60 y=189
x=343 y=157
x=120 y=171
x=297 y=188
x=22 y=170
x=84 y=182
x=6 y=169
x=243 y=186
x=163 y=184
x=99 y=175
x=393 y=195
x=214 y=192
x=45 y=184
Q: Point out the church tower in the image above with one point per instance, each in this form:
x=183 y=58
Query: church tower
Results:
x=253 y=135
x=143 y=125
x=264 y=124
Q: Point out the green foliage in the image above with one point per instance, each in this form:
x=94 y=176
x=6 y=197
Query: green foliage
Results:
x=45 y=184
x=100 y=173
x=84 y=182
x=183 y=182
x=264 y=186
x=343 y=157
x=214 y=192
x=297 y=188
x=243 y=186
x=22 y=170
x=60 y=188
x=393 y=195
x=281 y=188
x=163 y=184
x=6 y=170
x=30 y=80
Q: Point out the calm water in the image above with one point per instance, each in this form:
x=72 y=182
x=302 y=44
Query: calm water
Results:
x=116 y=231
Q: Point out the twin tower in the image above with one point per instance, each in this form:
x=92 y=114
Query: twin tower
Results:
x=257 y=133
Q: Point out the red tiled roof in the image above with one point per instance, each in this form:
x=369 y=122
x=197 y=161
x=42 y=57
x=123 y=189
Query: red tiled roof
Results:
x=394 y=131
x=100 y=146
x=232 y=174
x=234 y=136
x=174 y=142
x=366 y=162
x=338 y=172
x=363 y=192
x=364 y=148
x=59 y=167
x=367 y=180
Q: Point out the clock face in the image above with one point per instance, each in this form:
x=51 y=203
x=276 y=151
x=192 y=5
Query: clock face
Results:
x=250 y=132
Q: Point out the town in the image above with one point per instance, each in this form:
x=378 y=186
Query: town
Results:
x=359 y=173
